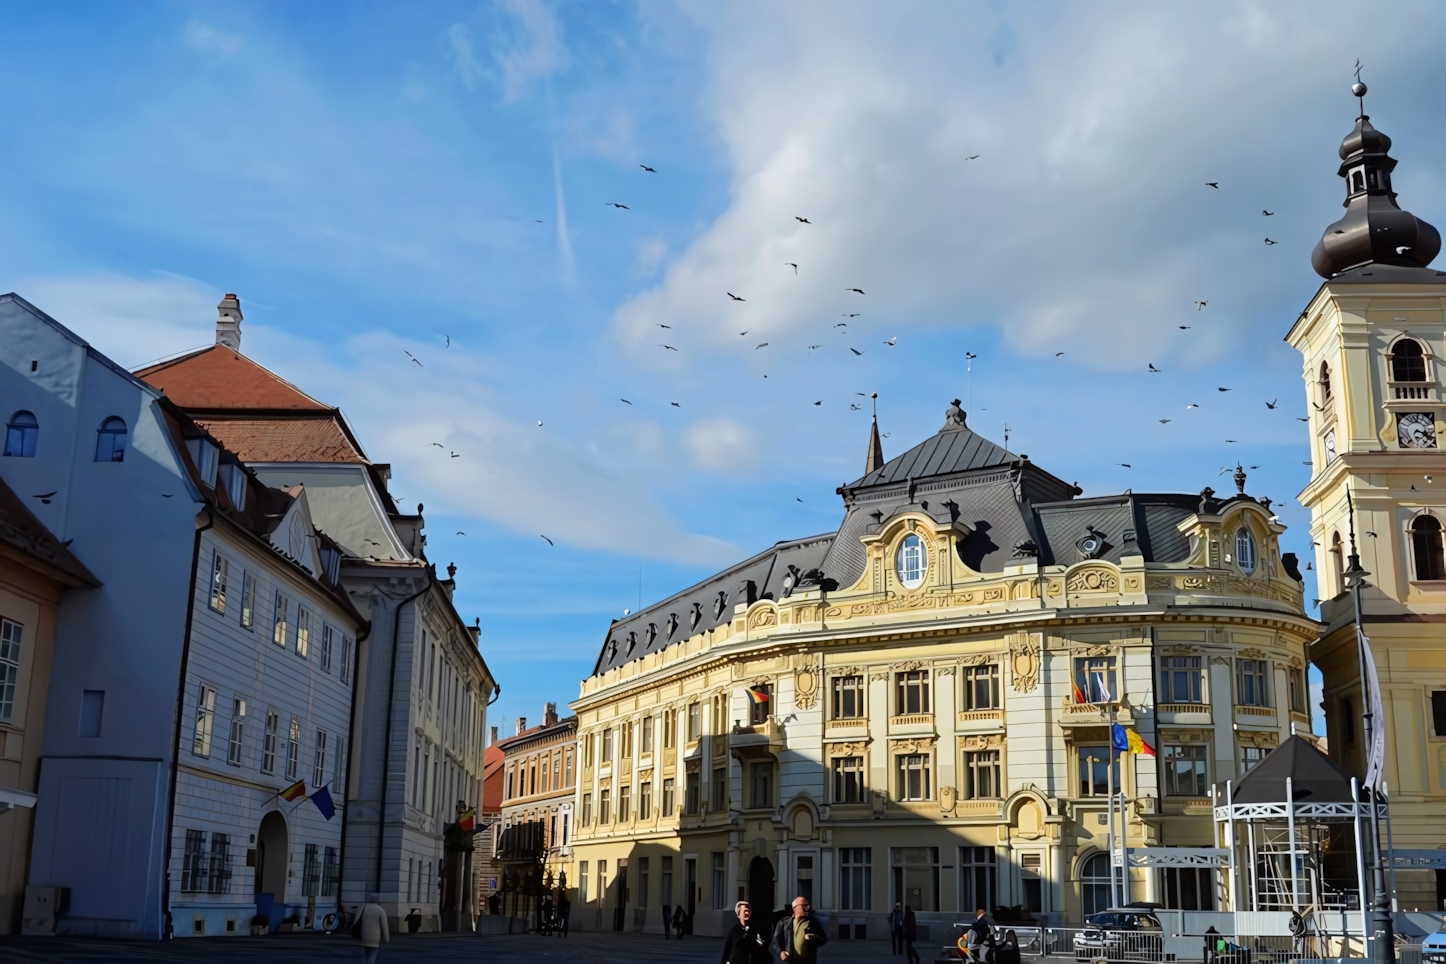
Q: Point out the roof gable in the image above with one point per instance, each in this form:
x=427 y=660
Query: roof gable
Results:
x=220 y=379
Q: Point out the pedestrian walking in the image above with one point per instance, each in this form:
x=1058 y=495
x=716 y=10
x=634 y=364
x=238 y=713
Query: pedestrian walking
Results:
x=667 y=922
x=745 y=942
x=678 y=921
x=896 y=928
x=798 y=938
x=545 y=917
x=911 y=934
x=1008 y=950
x=977 y=932
x=564 y=913
x=371 y=929
x=413 y=921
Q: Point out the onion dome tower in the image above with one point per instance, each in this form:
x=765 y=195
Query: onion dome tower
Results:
x=1374 y=229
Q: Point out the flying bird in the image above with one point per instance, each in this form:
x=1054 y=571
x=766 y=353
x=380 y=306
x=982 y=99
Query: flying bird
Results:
x=45 y=497
x=1186 y=327
x=164 y=495
x=439 y=445
x=676 y=405
x=762 y=344
x=1154 y=369
x=790 y=264
x=1165 y=421
x=449 y=341
x=1372 y=534
x=859 y=290
x=456 y=456
x=796 y=499
x=819 y=402
x=742 y=333
x=802 y=220
x=539 y=423
x=1269 y=214
x=969 y=355
x=669 y=347
x=549 y=541
x=661 y=325
x=648 y=169
x=812 y=347
x=1299 y=419
x=734 y=297
x=853 y=407
x=1225 y=389
x=616 y=205
x=461 y=533
x=625 y=401
x=1125 y=464
x=1230 y=440
x=1272 y=404
x=972 y=157
x=842 y=324
x=1214 y=184
x=892 y=341
x=419 y=364
x=1058 y=353
x=1268 y=241
x=1200 y=305
x=855 y=351
x=1190 y=406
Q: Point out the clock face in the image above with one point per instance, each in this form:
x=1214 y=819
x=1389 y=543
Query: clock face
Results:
x=1416 y=430
x=1330 y=446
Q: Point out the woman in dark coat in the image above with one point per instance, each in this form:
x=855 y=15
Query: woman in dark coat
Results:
x=911 y=934
x=1008 y=950
x=745 y=943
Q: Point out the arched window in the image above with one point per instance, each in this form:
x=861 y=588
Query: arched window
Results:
x=1245 y=550
x=1426 y=545
x=21 y=434
x=1408 y=363
x=1357 y=183
x=1325 y=382
x=1338 y=563
x=1095 y=884
x=110 y=440
x=911 y=563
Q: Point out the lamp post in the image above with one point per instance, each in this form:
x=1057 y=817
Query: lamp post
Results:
x=1382 y=930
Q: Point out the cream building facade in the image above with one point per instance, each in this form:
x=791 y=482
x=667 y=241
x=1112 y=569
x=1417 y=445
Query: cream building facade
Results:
x=533 y=845
x=1372 y=339
x=917 y=707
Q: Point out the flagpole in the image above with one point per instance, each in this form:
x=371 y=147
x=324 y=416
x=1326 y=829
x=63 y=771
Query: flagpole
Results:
x=1110 y=782
x=1383 y=950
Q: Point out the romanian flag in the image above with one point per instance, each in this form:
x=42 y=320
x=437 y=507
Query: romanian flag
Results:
x=1079 y=695
x=1129 y=741
x=468 y=821
x=294 y=792
x=758 y=694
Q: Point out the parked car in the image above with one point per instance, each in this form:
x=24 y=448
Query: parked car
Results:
x=1120 y=934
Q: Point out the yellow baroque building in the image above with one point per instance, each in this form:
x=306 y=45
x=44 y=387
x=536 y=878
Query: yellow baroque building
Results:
x=917 y=707
x=1372 y=339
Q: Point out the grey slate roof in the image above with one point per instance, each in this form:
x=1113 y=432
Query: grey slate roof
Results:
x=951 y=450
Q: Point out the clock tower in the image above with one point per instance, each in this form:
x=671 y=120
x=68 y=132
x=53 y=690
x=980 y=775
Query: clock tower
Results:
x=1373 y=339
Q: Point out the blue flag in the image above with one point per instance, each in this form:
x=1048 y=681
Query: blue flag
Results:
x=1119 y=739
x=322 y=799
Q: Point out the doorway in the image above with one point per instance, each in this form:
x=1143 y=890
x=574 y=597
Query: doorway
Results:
x=271 y=859
x=760 y=887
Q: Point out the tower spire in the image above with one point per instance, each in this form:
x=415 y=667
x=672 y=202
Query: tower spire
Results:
x=876 y=447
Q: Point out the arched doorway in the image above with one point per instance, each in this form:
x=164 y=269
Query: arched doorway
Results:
x=1096 y=884
x=760 y=887
x=272 y=849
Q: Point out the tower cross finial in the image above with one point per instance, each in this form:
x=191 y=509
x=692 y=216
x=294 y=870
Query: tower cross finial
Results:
x=1359 y=88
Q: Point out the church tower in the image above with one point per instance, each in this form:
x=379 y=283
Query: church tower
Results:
x=1373 y=339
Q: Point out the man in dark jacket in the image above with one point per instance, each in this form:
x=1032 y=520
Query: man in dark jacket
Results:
x=798 y=938
x=745 y=943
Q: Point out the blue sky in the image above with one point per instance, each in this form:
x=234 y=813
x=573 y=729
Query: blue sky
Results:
x=374 y=179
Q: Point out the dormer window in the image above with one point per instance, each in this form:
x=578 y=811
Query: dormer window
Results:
x=1245 y=551
x=205 y=454
x=911 y=564
x=233 y=480
x=1408 y=361
x=110 y=440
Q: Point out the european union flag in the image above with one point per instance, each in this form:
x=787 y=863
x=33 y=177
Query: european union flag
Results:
x=322 y=799
x=1119 y=738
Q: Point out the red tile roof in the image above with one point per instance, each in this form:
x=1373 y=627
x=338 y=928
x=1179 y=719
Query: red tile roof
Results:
x=218 y=378
x=286 y=439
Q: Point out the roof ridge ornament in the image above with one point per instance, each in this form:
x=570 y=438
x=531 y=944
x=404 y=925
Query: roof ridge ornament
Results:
x=955 y=418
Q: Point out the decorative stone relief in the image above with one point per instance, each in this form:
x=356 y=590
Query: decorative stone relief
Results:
x=908 y=665
x=1251 y=653
x=1268 y=739
x=763 y=616
x=1092 y=580
x=981 y=741
x=1185 y=736
x=847 y=749
x=921 y=744
x=846 y=671
x=1091 y=649
x=805 y=687
x=1220 y=660
x=944 y=669
x=1179 y=650
x=1159 y=582
x=879 y=675
x=948 y=796
x=978 y=659
x=1024 y=661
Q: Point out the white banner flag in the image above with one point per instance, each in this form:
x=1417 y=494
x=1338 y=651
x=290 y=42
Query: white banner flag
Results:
x=1376 y=752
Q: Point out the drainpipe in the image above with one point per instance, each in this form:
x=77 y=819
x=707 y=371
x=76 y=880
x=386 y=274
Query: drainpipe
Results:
x=166 y=932
x=387 y=744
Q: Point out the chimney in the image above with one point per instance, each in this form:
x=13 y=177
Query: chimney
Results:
x=549 y=714
x=521 y=724
x=494 y=736
x=228 y=322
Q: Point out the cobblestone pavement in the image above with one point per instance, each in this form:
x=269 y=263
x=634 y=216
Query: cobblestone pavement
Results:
x=591 y=948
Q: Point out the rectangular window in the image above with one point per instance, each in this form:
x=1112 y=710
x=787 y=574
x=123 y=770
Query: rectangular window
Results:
x=645 y=800
x=1250 y=756
x=268 y=742
x=1096 y=770
x=647 y=734
x=1297 y=689
x=346 y=659
x=761 y=785
x=759 y=709
x=587 y=750
x=236 y=741
x=607 y=745
x=1029 y=876
x=1188 y=888
x=856 y=878
x=328 y=872
x=1185 y=771
x=587 y=809
x=981 y=687
x=557 y=783
x=10 y=633
x=1438 y=712
x=1181 y=680
x=1250 y=677
x=692 y=789
x=720 y=896
x=205 y=715
x=248 y=600
x=1094 y=679
x=293 y=748
x=92 y=710
x=666 y=894
x=848 y=697
x=318 y=767
x=604 y=805
x=848 y=779
x=695 y=721
x=194 y=865
x=582 y=869
x=279 y=629
x=670 y=729
x=720 y=790
x=567 y=769
x=978 y=878
x=981 y=775
x=669 y=808
x=911 y=692
x=602 y=882
x=625 y=737
x=325 y=648
x=642 y=881
x=625 y=803
x=219 y=871
x=310 y=871
x=912 y=776
x=916 y=877
x=220 y=571
x=303 y=631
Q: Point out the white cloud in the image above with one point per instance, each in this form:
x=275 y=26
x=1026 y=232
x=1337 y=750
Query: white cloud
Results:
x=533 y=50
x=207 y=39
x=468 y=69
x=722 y=444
